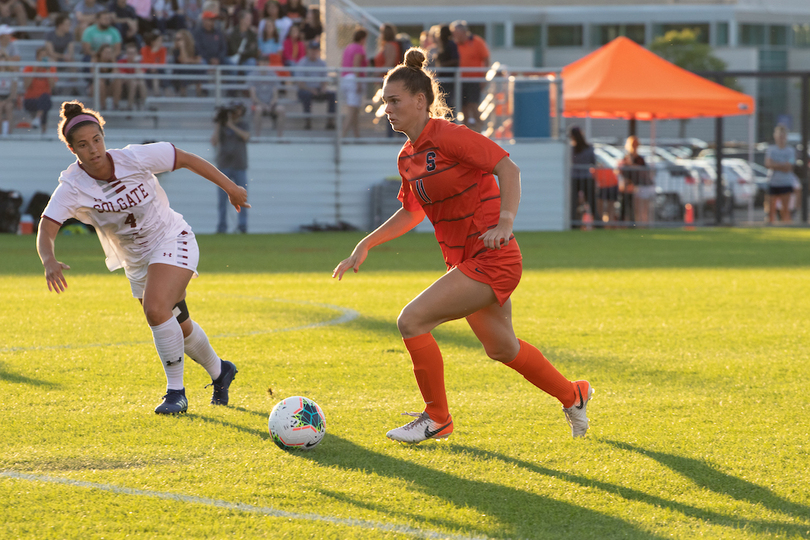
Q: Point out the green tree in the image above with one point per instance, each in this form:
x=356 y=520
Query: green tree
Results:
x=682 y=48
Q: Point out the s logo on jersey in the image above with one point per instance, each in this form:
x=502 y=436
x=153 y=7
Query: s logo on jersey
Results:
x=430 y=161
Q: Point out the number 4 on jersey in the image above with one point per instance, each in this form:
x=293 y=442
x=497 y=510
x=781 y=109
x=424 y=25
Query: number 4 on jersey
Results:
x=130 y=220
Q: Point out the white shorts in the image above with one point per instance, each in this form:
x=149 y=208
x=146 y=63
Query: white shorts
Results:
x=645 y=192
x=181 y=251
x=351 y=94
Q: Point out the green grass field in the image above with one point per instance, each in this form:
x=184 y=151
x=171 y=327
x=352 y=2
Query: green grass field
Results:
x=695 y=341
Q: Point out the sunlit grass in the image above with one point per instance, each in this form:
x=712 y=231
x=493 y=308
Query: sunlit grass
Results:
x=695 y=342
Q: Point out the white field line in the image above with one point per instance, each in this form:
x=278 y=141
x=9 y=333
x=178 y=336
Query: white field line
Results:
x=346 y=316
x=362 y=524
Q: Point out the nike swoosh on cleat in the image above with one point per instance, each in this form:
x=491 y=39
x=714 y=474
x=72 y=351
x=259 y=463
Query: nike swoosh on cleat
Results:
x=581 y=401
x=430 y=434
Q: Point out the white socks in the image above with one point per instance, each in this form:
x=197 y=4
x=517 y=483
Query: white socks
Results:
x=199 y=349
x=169 y=344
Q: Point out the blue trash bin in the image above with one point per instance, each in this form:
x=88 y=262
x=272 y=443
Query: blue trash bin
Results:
x=531 y=107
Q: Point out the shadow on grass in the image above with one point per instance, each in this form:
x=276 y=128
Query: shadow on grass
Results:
x=707 y=477
x=630 y=494
x=518 y=513
x=15 y=378
x=261 y=433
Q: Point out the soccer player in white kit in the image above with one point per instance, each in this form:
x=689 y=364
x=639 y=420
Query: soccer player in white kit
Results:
x=116 y=192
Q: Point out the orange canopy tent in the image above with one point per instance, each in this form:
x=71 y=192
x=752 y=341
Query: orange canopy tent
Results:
x=624 y=80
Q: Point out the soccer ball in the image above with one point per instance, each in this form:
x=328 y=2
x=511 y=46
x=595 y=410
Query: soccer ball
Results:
x=297 y=422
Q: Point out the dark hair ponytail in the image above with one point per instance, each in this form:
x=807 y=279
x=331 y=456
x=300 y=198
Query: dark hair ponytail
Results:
x=71 y=109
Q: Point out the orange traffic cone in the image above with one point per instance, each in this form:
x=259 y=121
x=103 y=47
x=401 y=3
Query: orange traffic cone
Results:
x=689 y=217
x=587 y=218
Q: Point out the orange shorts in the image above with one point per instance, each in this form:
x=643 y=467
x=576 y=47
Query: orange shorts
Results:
x=499 y=268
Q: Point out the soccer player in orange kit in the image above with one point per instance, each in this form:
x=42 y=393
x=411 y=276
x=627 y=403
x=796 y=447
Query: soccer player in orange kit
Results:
x=448 y=173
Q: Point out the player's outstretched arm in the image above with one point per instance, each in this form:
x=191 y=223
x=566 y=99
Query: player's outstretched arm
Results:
x=401 y=222
x=237 y=195
x=46 y=237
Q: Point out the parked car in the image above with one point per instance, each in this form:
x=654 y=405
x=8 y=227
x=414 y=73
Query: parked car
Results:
x=739 y=176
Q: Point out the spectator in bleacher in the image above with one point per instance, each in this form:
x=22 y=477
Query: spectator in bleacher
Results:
x=354 y=56
x=12 y=13
x=143 y=10
x=312 y=27
x=8 y=97
x=389 y=54
x=473 y=52
x=446 y=60
x=273 y=14
x=263 y=85
x=169 y=15
x=243 y=43
x=294 y=47
x=125 y=20
x=101 y=33
x=229 y=13
x=47 y=10
x=153 y=52
x=30 y=8
x=108 y=86
x=7 y=46
x=210 y=41
x=185 y=52
x=388 y=49
x=296 y=11
x=313 y=90
x=38 y=90
x=59 y=41
x=135 y=86
x=192 y=10
x=86 y=14
x=269 y=42
x=230 y=139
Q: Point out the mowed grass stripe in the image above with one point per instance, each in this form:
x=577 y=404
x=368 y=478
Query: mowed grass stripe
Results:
x=347 y=315
x=241 y=507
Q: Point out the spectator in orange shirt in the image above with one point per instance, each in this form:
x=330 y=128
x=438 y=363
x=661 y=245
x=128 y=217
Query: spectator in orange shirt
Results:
x=37 y=97
x=153 y=52
x=473 y=52
x=8 y=97
x=136 y=86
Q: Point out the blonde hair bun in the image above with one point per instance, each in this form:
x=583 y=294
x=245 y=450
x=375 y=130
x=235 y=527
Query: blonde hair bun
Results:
x=415 y=58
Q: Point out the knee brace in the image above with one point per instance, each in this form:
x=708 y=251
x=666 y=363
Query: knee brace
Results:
x=180 y=311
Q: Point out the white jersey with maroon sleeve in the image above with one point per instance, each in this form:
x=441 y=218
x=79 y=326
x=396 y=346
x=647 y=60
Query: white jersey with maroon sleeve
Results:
x=130 y=210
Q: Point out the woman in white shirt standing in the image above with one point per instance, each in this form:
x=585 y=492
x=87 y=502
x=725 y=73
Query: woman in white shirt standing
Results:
x=780 y=160
x=116 y=192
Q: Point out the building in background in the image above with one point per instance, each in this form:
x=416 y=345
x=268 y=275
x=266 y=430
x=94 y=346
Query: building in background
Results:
x=749 y=35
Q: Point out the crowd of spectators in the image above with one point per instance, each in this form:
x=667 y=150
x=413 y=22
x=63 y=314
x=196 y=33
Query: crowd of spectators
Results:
x=283 y=34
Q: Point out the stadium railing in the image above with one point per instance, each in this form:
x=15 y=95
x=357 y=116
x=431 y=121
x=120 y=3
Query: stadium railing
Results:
x=191 y=93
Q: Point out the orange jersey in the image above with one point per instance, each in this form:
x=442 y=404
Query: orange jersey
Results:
x=448 y=173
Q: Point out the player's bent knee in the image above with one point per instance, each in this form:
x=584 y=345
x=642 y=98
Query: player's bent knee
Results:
x=156 y=314
x=502 y=351
x=407 y=325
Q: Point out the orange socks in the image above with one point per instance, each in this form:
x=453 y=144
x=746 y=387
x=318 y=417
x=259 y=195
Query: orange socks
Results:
x=428 y=367
x=531 y=363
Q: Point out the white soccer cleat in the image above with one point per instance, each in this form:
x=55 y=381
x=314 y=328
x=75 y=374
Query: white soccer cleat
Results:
x=575 y=414
x=421 y=429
